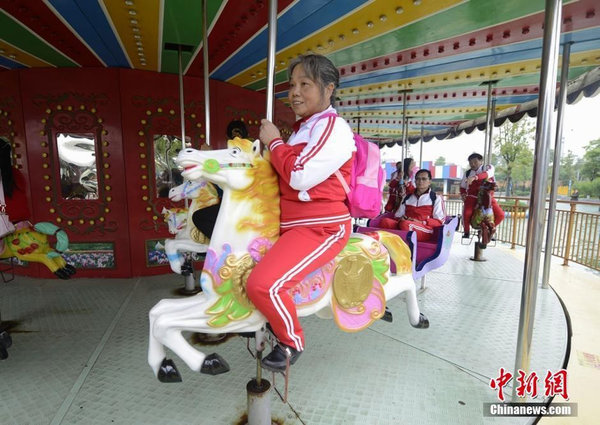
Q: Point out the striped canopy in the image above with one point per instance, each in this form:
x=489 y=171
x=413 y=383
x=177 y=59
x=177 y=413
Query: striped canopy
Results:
x=443 y=55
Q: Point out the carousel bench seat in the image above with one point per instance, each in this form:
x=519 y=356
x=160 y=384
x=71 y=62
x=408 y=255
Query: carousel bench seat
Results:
x=430 y=254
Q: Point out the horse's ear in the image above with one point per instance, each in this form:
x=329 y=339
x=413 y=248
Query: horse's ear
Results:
x=256 y=148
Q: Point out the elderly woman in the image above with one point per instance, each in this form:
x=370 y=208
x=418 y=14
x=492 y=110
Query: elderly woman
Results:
x=421 y=211
x=315 y=222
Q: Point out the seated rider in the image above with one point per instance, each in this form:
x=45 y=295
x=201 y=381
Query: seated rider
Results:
x=315 y=222
x=401 y=183
x=469 y=188
x=421 y=211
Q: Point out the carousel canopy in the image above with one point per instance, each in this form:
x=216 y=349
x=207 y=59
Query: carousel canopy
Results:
x=443 y=55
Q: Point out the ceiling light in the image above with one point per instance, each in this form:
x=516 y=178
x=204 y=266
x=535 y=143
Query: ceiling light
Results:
x=137 y=36
x=128 y=3
x=133 y=21
x=399 y=10
x=132 y=12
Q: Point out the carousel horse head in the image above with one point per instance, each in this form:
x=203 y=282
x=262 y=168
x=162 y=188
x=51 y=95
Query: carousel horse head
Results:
x=176 y=219
x=216 y=166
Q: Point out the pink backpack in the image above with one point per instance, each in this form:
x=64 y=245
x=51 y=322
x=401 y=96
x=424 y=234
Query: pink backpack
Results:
x=367 y=179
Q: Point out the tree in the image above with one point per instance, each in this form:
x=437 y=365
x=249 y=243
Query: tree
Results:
x=590 y=168
x=514 y=154
x=440 y=161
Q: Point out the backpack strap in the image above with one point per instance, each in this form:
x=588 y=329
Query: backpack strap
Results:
x=342 y=181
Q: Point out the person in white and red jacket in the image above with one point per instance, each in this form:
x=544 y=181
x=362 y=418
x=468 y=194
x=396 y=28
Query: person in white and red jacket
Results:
x=469 y=188
x=315 y=221
x=421 y=211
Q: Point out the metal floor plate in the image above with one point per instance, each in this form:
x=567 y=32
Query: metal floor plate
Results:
x=79 y=355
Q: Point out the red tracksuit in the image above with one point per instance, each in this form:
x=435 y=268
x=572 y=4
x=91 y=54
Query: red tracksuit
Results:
x=420 y=208
x=485 y=172
x=315 y=222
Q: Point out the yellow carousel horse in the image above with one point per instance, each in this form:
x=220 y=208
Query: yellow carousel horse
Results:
x=31 y=244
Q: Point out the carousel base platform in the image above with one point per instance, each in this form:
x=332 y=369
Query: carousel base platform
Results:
x=79 y=355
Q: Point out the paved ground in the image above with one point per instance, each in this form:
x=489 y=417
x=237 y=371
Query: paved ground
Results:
x=79 y=354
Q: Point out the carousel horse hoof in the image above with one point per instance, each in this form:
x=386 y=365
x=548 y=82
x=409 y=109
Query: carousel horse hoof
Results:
x=70 y=269
x=276 y=361
x=423 y=322
x=187 y=269
x=466 y=235
x=3 y=353
x=214 y=364
x=481 y=245
x=5 y=339
x=168 y=372
x=63 y=274
x=247 y=334
x=387 y=315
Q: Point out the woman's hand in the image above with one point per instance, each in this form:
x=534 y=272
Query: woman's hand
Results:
x=268 y=132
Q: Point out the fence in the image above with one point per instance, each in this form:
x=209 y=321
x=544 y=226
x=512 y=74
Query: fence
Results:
x=576 y=227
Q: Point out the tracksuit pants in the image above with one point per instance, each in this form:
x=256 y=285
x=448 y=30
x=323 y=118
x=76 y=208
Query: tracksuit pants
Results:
x=424 y=232
x=298 y=252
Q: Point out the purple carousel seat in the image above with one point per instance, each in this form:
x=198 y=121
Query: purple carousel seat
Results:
x=431 y=254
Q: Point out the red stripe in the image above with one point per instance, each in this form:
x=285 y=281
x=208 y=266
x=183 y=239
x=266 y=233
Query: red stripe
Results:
x=316 y=148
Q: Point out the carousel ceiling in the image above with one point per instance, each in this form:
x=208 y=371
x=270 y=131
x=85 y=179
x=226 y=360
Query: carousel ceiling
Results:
x=440 y=54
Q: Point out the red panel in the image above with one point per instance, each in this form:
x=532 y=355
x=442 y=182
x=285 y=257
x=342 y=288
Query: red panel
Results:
x=78 y=101
x=12 y=128
x=150 y=106
x=453 y=171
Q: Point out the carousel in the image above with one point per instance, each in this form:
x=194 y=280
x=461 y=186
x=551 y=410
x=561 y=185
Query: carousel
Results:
x=122 y=115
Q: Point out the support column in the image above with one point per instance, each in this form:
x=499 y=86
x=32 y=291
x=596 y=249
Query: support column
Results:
x=564 y=76
x=535 y=222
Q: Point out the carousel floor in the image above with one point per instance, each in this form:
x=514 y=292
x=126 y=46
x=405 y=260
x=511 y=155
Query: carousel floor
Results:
x=79 y=355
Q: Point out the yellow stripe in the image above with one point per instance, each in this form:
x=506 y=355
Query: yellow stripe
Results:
x=374 y=19
x=22 y=57
x=474 y=76
x=147 y=17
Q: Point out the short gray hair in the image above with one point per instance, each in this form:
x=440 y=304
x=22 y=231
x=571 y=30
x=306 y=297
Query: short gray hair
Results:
x=319 y=69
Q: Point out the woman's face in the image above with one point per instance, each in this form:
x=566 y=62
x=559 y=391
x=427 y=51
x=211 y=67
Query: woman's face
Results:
x=305 y=94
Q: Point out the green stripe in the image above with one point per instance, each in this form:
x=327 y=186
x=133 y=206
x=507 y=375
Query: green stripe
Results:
x=14 y=33
x=182 y=24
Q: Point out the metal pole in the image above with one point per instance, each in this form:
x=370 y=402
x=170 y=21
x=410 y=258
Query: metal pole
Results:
x=271 y=58
x=206 y=76
x=257 y=390
x=421 y=148
x=181 y=104
x=404 y=127
x=491 y=132
x=564 y=75
x=488 y=114
x=537 y=200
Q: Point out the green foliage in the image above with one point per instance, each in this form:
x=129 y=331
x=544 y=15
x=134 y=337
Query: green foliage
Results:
x=589 y=188
x=514 y=156
x=590 y=168
x=440 y=161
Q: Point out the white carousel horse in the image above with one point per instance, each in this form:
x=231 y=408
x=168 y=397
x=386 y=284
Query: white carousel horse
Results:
x=187 y=237
x=246 y=227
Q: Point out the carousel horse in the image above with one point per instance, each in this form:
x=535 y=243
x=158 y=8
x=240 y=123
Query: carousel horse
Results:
x=352 y=288
x=483 y=214
x=31 y=244
x=187 y=237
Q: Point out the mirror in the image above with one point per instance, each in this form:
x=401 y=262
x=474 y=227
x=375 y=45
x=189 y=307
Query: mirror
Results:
x=78 y=171
x=166 y=173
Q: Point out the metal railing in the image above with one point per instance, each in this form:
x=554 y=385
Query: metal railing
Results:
x=576 y=227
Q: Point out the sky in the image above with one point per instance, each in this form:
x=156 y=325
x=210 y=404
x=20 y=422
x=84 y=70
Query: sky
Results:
x=580 y=126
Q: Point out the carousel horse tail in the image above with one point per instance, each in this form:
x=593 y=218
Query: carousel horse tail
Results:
x=398 y=250
x=62 y=240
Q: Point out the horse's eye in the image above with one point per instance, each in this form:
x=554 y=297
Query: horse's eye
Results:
x=235 y=151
